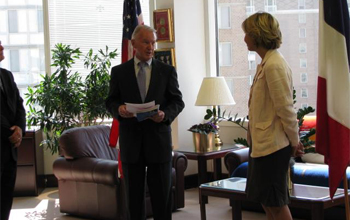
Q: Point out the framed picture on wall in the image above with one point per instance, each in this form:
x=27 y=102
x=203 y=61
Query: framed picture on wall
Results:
x=166 y=55
x=163 y=23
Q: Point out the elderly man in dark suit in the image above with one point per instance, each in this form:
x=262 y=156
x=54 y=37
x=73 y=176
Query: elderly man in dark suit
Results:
x=12 y=130
x=145 y=145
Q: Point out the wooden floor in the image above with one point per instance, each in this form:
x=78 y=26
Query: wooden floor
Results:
x=46 y=207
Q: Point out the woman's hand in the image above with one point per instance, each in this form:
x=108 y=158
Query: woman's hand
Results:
x=298 y=151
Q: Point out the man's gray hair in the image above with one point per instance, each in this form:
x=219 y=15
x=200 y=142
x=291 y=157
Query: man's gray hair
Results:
x=142 y=27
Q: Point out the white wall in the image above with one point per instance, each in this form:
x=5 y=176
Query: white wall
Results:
x=191 y=66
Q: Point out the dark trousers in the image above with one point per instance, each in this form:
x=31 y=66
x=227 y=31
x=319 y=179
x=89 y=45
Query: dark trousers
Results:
x=158 y=177
x=8 y=179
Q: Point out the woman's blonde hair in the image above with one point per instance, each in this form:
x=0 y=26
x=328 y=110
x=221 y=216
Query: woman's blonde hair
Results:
x=264 y=29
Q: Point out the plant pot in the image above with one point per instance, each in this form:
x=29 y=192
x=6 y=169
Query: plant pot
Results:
x=203 y=142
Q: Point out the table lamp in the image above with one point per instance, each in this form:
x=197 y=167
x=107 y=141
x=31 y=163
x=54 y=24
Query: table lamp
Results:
x=213 y=92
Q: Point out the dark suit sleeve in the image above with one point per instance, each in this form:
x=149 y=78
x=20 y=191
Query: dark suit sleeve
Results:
x=20 y=114
x=16 y=102
x=113 y=99
x=20 y=118
x=174 y=103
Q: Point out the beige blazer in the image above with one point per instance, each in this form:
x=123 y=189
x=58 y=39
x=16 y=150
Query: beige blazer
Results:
x=272 y=118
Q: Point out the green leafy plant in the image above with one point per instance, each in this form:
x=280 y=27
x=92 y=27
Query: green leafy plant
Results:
x=304 y=136
x=203 y=128
x=62 y=100
x=97 y=84
x=235 y=119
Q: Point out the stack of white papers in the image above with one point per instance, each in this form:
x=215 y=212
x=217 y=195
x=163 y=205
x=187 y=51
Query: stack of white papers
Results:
x=142 y=111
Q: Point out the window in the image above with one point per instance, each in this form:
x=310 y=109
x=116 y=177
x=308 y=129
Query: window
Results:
x=293 y=22
x=301 y=4
x=97 y=24
x=13 y=21
x=302 y=48
x=302 y=18
x=250 y=9
x=252 y=60
x=14 y=60
x=304 y=105
x=304 y=93
x=21 y=33
x=302 y=33
x=225 y=54
x=303 y=63
x=303 y=77
x=270 y=5
x=224 y=17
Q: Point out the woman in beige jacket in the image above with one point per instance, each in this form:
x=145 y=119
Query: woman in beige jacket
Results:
x=273 y=128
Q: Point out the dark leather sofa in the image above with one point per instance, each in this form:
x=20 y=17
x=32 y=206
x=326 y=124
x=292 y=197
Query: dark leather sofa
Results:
x=87 y=176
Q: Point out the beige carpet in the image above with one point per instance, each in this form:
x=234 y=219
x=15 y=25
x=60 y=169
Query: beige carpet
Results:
x=46 y=206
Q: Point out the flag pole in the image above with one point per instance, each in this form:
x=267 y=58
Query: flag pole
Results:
x=346 y=196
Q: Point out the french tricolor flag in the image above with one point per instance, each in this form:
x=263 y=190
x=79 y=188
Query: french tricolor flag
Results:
x=333 y=90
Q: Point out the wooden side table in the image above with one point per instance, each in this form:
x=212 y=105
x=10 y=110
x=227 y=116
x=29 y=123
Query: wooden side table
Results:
x=215 y=154
x=30 y=180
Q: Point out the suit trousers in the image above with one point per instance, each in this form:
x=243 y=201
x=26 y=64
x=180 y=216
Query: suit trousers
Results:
x=158 y=176
x=8 y=179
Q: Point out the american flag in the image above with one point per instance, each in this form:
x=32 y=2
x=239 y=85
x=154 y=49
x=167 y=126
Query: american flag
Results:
x=333 y=92
x=132 y=16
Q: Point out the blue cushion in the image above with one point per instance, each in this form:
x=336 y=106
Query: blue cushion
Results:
x=241 y=170
x=308 y=174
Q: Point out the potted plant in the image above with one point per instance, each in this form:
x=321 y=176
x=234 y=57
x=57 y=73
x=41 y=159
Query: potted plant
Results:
x=304 y=136
x=63 y=100
x=203 y=136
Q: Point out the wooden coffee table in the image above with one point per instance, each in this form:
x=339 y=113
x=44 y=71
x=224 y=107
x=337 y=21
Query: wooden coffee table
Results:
x=313 y=198
x=202 y=156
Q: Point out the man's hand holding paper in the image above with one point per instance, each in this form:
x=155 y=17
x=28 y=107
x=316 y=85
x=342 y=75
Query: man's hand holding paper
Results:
x=144 y=111
x=123 y=112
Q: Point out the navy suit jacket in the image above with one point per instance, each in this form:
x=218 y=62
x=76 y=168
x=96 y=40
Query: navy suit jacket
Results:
x=12 y=112
x=147 y=138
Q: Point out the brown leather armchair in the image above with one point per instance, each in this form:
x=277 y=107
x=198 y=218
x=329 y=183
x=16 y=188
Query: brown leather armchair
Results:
x=87 y=176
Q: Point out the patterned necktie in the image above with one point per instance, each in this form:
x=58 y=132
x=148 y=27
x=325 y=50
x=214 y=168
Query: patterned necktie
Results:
x=141 y=80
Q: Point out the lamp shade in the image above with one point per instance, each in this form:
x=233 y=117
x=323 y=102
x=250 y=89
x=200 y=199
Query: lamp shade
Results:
x=214 y=91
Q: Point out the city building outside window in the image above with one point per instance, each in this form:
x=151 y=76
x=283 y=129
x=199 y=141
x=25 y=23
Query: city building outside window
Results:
x=97 y=24
x=224 y=15
x=301 y=4
x=297 y=47
x=250 y=9
x=225 y=51
x=252 y=60
x=304 y=93
x=302 y=18
x=303 y=77
x=302 y=33
x=303 y=63
x=270 y=5
x=304 y=105
x=302 y=48
x=22 y=35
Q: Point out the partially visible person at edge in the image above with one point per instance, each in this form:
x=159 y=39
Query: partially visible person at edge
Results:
x=13 y=124
x=146 y=144
x=273 y=128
